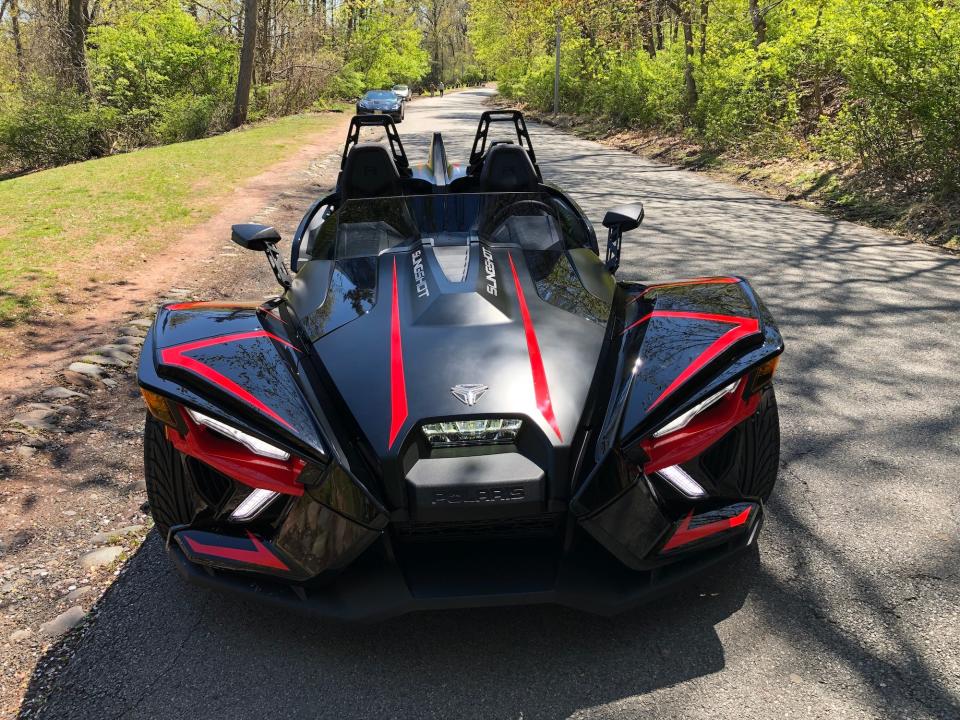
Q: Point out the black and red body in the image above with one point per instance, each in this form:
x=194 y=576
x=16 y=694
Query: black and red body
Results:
x=406 y=291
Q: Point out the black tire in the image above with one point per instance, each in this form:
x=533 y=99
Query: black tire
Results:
x=170 y=489
x=762 y=449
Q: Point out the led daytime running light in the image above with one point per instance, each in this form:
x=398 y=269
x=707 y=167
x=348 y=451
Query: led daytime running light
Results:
x=253 y=444
x=684 y=420
x=455 y=433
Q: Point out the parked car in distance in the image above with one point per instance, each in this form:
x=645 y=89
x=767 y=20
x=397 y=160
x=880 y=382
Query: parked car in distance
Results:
x=402 y=91
x=381 y=102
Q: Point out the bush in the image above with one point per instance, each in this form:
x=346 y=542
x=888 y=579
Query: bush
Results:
x=186 y=117
x=162 y=71
x=47 y=126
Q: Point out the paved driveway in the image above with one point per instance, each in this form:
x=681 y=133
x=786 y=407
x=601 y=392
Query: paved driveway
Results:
x=848 y=609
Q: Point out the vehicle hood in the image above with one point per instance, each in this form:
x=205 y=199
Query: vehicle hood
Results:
x=435 y=321
x=379 y=104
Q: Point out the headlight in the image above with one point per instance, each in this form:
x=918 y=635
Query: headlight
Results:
x=253 y=444
x=456 y=433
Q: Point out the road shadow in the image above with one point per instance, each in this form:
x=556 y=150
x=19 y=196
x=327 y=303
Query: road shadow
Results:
x=158 y=646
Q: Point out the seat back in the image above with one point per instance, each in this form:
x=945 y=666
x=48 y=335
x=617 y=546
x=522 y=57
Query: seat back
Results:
x=507 y=168
x=369 y=172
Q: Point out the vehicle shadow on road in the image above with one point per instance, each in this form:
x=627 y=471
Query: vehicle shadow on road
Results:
x=160 y=647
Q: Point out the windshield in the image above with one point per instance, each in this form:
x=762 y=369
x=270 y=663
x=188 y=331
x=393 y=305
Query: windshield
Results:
x=401 y=88
x=380 y=95
x=369 y=226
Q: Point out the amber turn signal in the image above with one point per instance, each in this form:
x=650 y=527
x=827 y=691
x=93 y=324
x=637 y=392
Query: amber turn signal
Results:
x=159 y=407
x=764 y=374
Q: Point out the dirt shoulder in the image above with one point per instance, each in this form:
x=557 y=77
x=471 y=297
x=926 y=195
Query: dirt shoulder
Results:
x=815 y=184
x=86 y=311
x=71 y=488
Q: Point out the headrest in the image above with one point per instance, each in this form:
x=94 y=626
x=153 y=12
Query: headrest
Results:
x=507 y=168
x=369 y=172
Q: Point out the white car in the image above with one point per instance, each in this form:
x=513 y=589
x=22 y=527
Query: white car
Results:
x=403 y=91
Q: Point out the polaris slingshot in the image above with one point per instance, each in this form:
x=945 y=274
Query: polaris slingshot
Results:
x=454 y=403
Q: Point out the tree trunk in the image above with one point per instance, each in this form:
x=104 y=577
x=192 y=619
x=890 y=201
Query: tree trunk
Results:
x=758 y=18
x=704 y=16
x=646 y=28
x=76 y=41
x=264 y=39
x=658 y=23
x=241 y=101
x=683 y=9
x=17 y=42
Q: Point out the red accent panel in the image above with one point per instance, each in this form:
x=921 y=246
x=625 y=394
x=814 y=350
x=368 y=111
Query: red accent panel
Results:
x=236 y=462
x=685 y=535
x=540 y=387
x=175 y=356
x=702 y=432
x=398 y=385
x=745 y=327
x=259 y=556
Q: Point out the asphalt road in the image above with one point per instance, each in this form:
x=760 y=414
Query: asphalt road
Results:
x=848 y=609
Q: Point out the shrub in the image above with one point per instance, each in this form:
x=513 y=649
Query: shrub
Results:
x=147 y=65
x=186 y=117
x=47 y=126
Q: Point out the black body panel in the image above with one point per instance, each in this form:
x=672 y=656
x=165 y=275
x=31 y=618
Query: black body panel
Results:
x=643 y=438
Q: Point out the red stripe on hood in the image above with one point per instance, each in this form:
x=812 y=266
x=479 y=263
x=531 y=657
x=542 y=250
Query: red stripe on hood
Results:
x=398 y=385
x=540 y=388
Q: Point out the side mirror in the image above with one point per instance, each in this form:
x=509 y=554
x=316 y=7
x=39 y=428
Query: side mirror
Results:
x=619 y=220
x=254 y=237
x=263 y=238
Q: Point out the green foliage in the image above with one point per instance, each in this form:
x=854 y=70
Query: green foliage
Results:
x=46 y=126
x=871 y=83
x=186 y=117
x=162 y=71
x=385 y=48
x=347 y=84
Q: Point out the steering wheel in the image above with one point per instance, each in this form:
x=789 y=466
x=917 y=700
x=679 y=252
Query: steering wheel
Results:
x=510 y=209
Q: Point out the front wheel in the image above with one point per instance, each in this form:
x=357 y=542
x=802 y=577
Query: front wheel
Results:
x=762 y=449
x=170 y=490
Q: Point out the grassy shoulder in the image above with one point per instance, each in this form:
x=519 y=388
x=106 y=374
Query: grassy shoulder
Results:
x=94 y=216
x=843 y=192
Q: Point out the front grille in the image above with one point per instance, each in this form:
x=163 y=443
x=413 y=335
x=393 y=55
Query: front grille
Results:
x=537 y=526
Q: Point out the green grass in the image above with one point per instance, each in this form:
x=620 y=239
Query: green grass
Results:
x=56 y=222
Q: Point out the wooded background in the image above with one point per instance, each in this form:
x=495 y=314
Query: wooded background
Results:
x=82 y=78
x=858 y=83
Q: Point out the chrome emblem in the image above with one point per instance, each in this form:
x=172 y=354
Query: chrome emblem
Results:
x=468 y=394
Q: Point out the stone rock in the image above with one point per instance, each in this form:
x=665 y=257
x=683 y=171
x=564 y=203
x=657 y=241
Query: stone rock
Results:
x=26 y=452
x=61 y=393
x=127 y=350
x=106 y=360
x=79 y=593
x=134 y=340
x=58 y=409
x=102 y=538
x=100 y=557
x=109 y=383
x=18 y=636
x=36 y=419
x=74 y=378
x=139 y=485
x=88 y=369
x=63 y=622
x=115 y=351
x=141 y=322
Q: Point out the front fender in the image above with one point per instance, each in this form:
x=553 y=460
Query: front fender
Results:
x=237 y=362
